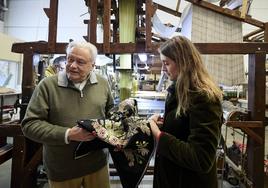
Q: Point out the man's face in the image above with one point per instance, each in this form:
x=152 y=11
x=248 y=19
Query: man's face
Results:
x=79 y=64
x=61 y=66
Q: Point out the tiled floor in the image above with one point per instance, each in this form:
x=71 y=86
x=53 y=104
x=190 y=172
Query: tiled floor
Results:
x=5 y=169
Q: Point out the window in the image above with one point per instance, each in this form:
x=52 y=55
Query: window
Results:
x=3 y=8
x=10 y=74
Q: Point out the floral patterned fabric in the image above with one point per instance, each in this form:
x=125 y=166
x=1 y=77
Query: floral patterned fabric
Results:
x=128 y=138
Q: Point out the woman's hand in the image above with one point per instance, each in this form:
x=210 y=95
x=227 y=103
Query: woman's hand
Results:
x=154 y=122
x=79 y=134
x=157 y=118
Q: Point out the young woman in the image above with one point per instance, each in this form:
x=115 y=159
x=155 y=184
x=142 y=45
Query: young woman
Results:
x=190 y=131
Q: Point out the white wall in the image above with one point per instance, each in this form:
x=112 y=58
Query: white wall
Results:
x=5 y=46
x=1 y=26
x=172 y=4
x=27 y=20
x=11 y=61
x=259 y=11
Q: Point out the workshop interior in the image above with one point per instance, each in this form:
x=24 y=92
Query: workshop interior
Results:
x=231 y=35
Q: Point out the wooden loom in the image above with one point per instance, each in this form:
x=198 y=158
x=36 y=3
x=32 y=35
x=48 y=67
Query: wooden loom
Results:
x=26 y=154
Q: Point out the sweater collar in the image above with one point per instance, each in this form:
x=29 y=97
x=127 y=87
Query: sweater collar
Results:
x=64 y=81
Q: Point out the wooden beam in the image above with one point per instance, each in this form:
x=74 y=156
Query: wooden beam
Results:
x=47 y=10
x=30 y=168
x=38 y=47
x=168 y=10
x=5 y=153
x=247 y=126
x=139 y=47
x=18 y=160
x=87 y=22
x=107 y=26
x=231 y=48
x=244 y=9
x=266 y=32
x=10 y=130
x=53 y=23
x=253 y=135
x=178 y=5
x=256 y=38
x=204 y=48
x=93 y=22
x=28 y=82
x=24 y=156
x=227 y=12
x=148 y=23
x=240 y=124
x=247 y=36
x=115 y=28
x=256 y=106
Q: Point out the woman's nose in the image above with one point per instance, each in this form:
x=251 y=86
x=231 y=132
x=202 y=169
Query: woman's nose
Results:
x=164 y=68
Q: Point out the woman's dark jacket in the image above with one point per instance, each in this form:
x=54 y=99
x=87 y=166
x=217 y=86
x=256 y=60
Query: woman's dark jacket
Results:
x=186 y=152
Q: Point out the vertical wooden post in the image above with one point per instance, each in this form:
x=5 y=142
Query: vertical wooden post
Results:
x=106 y=26
x=178 y=5
x=115 y=27
x=148 y=30
x=93 y=22
x=23 y=149
x=27 y=81
x=266 y=32
x=244 y=8
x=18 y=161
x=3 y=140
x=53 y=23
x=256 y=106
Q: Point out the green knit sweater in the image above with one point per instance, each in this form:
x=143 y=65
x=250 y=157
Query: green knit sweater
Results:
x=54 y=107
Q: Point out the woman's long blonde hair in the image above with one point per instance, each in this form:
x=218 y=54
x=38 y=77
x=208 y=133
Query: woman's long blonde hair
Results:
x=192 y=74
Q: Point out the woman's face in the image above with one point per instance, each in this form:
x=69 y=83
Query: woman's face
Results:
x=170 y=67
x=79 y=64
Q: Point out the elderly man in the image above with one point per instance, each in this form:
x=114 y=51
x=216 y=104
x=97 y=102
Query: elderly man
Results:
x=56 y=105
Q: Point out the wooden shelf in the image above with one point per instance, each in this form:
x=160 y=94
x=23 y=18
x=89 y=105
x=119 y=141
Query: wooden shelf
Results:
x=5 y=153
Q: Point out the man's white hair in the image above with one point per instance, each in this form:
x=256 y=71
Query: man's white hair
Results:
x=86 y=45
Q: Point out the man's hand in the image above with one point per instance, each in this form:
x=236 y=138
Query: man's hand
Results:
x=79 y=134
